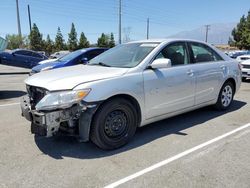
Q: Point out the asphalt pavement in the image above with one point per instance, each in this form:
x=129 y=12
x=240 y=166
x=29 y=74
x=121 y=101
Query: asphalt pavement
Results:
x=30 y=161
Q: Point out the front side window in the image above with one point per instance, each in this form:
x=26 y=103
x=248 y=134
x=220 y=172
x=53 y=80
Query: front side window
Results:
x=125 y=55
x=21 y=52
x=202 y=53
x=90 y=55
x=176 y=52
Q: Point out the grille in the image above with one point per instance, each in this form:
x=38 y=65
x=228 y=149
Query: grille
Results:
x=246 y=66
x=35 y=94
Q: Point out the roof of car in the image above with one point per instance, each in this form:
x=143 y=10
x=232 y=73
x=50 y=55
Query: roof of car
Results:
x=167 y=40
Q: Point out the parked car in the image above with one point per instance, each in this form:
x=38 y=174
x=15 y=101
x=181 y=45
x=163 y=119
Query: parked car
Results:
x=129 y=86
x=59 y=54
x=242 y=58
x=235 y=54
x=74 y=58
x=21 y=58
x=245 y=69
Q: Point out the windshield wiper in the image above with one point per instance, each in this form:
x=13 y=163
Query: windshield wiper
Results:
x=101 y=64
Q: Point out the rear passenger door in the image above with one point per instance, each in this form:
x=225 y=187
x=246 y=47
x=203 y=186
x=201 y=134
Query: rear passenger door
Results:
x=209 y=69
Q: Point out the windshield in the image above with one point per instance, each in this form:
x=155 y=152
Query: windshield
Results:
x=125 y=55
x=71 y=55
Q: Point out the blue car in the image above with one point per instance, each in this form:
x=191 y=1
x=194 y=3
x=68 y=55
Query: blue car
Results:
x=21 y=58
x=74 y=58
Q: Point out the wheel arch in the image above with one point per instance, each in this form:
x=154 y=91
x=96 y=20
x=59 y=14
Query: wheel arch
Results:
x=232 y=80
x=133 y=101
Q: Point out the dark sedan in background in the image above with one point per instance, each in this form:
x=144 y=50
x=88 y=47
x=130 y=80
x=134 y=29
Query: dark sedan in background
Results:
x=81 y=56
x=21 y=58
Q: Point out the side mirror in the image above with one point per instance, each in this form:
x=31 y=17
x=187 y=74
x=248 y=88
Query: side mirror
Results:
x=84 y=60
x=160 y=63
x=13 y=53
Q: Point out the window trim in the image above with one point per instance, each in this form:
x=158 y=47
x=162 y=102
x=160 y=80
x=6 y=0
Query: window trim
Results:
x=207 y=48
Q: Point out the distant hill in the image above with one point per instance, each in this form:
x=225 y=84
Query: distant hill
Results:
x=218 y=33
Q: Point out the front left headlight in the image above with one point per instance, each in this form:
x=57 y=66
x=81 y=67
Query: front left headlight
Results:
x=62 y=99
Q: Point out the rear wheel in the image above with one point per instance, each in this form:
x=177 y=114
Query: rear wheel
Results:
x=226 y=96
x=114 y=124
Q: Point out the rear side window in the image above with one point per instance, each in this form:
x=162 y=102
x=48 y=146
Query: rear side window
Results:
x=202 y=53
x=36 y=55
x=90 y=55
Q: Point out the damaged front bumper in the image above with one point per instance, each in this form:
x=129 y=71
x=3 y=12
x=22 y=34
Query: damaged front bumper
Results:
x=77 y=118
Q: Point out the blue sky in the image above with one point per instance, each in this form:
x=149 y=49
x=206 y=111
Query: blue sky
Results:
x=96 y=16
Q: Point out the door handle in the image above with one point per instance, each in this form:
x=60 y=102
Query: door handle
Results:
x=223 y=67
x=190 y=72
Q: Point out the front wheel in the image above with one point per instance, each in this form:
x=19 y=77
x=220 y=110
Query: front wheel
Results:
x=114 y=124
x=225 y=97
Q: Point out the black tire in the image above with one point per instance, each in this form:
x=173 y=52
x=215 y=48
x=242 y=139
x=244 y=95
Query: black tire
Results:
x=114 y=124
x=226 y=91
x=244 y=79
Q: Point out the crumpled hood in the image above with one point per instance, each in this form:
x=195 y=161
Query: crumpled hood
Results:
x=69 y=77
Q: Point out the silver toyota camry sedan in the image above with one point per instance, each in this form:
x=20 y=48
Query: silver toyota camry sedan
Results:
x=129 y=86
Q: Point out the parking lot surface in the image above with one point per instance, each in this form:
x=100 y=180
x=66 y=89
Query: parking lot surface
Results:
x=30 y=161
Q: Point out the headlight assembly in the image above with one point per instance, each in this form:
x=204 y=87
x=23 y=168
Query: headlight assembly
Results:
x=62 y=99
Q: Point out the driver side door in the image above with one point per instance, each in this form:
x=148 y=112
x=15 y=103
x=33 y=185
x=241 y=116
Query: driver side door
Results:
x=170 y=89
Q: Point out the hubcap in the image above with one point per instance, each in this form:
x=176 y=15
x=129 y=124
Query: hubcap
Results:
x=116 y=124
x=226 y=96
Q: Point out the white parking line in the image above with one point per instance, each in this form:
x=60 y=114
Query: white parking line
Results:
x=178 y=156
x=10 y=104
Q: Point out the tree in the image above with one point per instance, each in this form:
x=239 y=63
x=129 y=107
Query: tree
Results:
x=83 y=42
x=49 y=46
x=231 y=42
x=112 y=41
x=241 y=33
x=35 y=38
x=14 y=41
x=103 y=41
x=72 y=41
x=59 y=41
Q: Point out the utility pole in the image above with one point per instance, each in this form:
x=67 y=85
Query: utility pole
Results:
x=18 y=19
x=120 y=21
x=207 y=28
x=148 y=28
x=29 y=17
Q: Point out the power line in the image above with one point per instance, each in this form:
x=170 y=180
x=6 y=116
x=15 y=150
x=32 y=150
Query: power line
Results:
x=120 y=21
x=148 y=28
x=29 y=17
x=207 y=28
x=18 y=19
